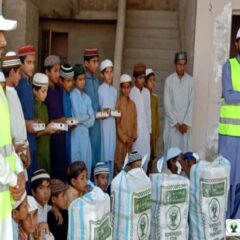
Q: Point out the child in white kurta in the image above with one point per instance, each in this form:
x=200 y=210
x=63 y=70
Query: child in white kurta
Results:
x=141 y=97
x=107 y=100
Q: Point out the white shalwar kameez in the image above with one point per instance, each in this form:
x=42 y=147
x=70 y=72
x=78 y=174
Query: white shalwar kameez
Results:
x=144 y=129
x=178 y=107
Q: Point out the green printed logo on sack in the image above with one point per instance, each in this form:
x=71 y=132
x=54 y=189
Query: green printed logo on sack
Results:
x=142 y=227
x=214 y=209
x=173 y=217
x=142 y=203
x=212 y=203
x=101 y=228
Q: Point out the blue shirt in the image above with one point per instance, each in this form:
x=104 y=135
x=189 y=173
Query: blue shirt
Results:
x=91 y=89
x=25 y=94
x=67 y=109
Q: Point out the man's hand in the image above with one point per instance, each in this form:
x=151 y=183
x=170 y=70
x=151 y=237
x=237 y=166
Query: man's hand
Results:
x=42 y=227
x=184 y=128
x=21 y=234
x=29 y=126
x=18 y=190
x=129 y=143
x=49 y=129
x=179 y=128
x=19 y=147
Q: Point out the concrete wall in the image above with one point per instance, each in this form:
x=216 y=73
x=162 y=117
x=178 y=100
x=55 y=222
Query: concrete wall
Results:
x=187 y=21
x=75 y=8
x=83 y=34
x=26 y=13
x=212 y=41
x=168 y=5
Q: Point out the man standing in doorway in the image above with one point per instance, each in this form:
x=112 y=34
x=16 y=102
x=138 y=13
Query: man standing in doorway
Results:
x=178 y=107
x=229 y=127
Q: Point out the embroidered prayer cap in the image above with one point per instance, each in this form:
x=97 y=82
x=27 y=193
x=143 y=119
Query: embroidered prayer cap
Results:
x=32 y=204
x=105 y=64
x=40 y=174
x=79 y=69
x=191 y=156
x=238 y=34
x=26 y=50
x=134 y=156
x=149 y=71
x=40 y=80
x=20 y=201
x=173 y=152
x=125 y=78
x=57 y=186
x=2 y=77
x=11 y=60
x=66 y=71
x=7 y=24
x=51 y=60
x=91 y=52
x=180 y=56
x=101 y=167
x=139 y=69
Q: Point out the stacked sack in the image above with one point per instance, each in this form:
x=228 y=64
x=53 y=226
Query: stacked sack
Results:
x=131 y=204
x=170 y=204
x=93 y=221
x=208 y=199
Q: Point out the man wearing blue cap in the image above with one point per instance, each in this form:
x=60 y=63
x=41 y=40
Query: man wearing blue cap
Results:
x=178 y=106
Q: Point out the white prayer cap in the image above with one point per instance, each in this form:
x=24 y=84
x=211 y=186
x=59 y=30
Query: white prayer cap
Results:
x=105 y=63
x=32 y=204
x=20 y=201
x=125 y=78
x=173 y=152
x=238 y=34
x=10 y=54
x=149 y=71
x=40 y=80
x=6 y=24
x=2 y=77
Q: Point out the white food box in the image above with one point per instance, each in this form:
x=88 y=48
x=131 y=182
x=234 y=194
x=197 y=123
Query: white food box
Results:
x=60 y=126
x=72 y=121
x=102 y=114
x=115 y=113
x=38 y=126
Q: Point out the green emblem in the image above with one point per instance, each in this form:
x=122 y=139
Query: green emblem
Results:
x=142 y=227
x=214 y=209
x=173 y=217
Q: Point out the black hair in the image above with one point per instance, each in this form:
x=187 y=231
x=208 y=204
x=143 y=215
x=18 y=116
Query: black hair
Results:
x=169 y=162
x=126 y=82
x=47 y=68
x=35 y=184
x=36 y=87
x=6 y=71
x=88 y=58
x=148 y=76
x=74 y=170
x=53 y=195
x=22 y=58
x=176 y=60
